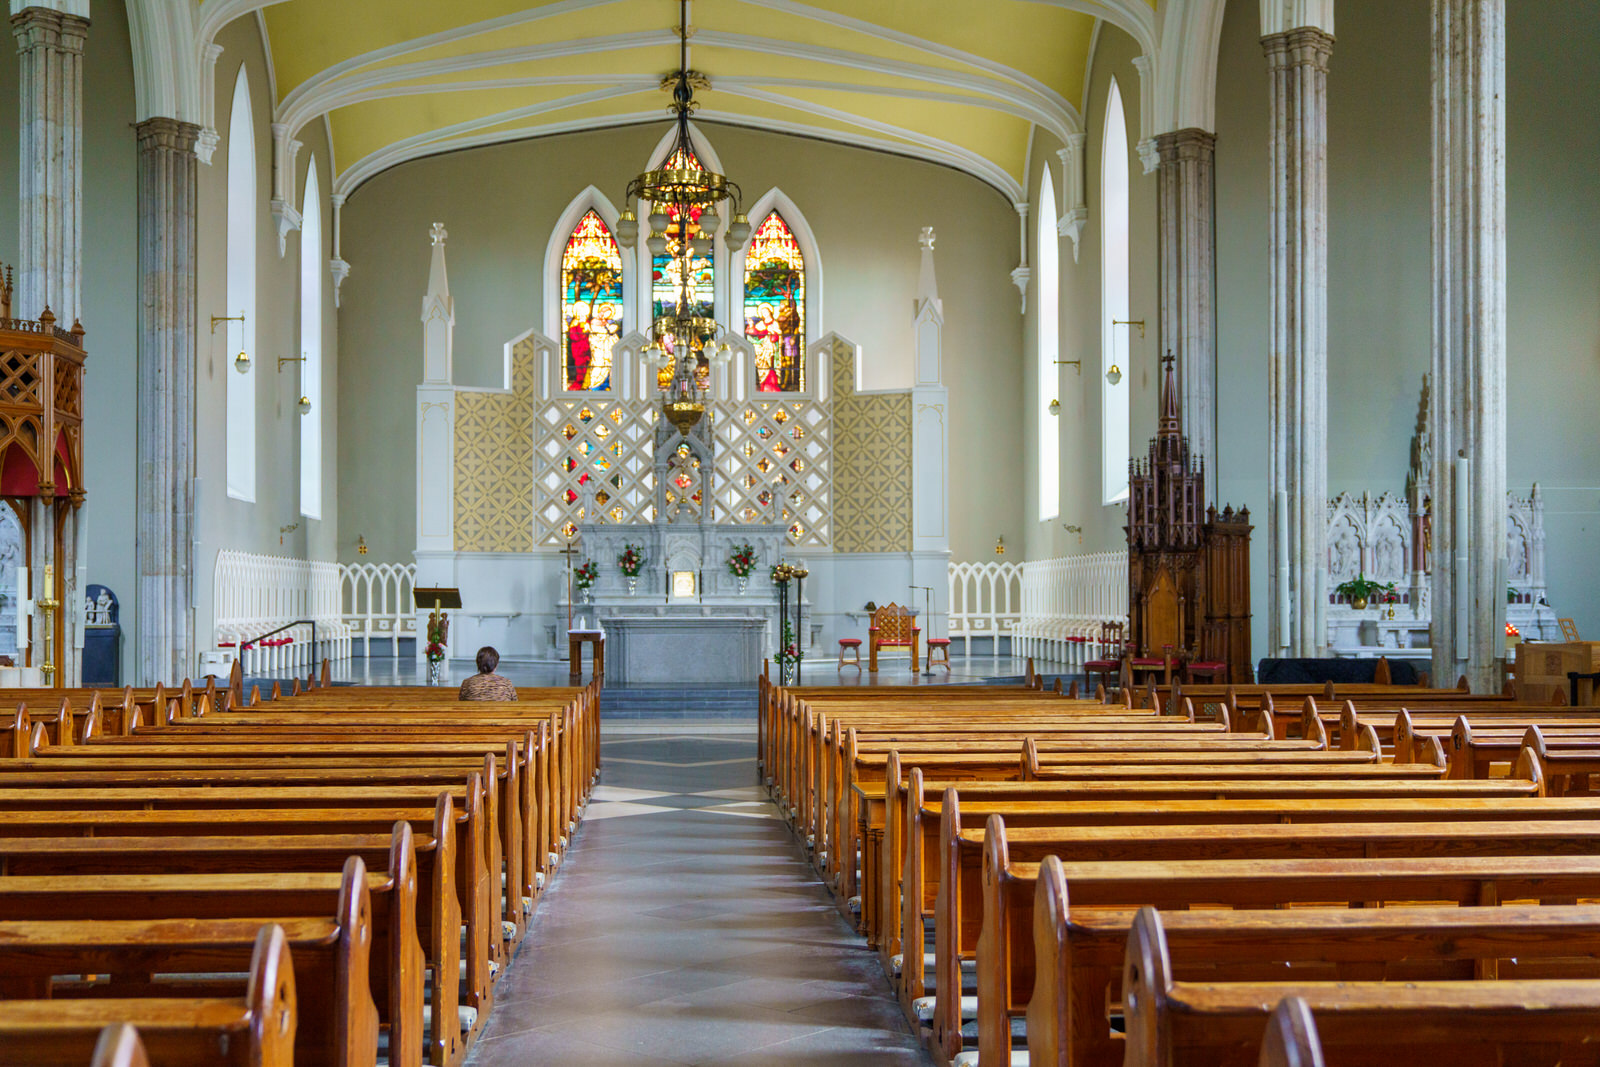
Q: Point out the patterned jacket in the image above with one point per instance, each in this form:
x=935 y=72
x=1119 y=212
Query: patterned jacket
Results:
x=488 y=687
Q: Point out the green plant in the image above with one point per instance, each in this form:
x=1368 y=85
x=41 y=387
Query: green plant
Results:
x=1362 y=588
x=791 y=651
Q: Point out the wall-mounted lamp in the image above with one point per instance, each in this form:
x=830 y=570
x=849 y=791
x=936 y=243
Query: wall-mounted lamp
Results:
x=1055 y=407
x=289 y=359
x=1074 y=363
x=361 y=545
x=291 y=528
x=304 y=407
x=1000 y=546
x=241 y=362
x=1074 y=529
x=1114 y=374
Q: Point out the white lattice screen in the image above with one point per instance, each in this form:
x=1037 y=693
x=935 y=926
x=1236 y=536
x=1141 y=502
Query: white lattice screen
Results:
x=775 y=453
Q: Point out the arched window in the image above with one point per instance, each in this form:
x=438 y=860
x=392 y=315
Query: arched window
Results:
x=241 y=437
x=668 y=287
x=311 y=345
x=1049 y=260
x=1114 y=299
x=591 y=304
x=775 y=306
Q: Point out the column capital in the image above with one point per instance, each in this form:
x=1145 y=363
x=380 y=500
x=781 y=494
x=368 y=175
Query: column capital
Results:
x=1190 y=143
x=37 y=27
x=172 y=135
x=1300 y=47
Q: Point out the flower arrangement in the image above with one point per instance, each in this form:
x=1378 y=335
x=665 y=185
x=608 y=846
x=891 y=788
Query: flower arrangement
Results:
x=583 y=577
x=743 y=560
x=791 y=652
x=438 y=636
x=632 y=561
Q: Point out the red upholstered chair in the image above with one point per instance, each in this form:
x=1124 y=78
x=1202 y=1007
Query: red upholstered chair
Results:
x=1213 y=643
x=893 y=627
x=939 y=651
x=851 y=645
x=1150 y=665
x=1113 y=646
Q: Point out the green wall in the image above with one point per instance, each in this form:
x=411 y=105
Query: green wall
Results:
x=500 y=205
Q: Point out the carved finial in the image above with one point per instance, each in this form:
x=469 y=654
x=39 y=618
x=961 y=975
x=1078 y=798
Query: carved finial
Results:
x=926 y=240
x=1169 y=398
x=47 y=317
x=77 y=330
x=438 y=233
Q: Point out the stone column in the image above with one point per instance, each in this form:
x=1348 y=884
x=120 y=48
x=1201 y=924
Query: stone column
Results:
x=1297 y=468
x=50 y=157
x=1469 y=342
x=1186 y=198
x=167 y=179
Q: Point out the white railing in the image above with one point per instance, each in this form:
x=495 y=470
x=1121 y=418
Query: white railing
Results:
x=985 y=601
x=376 y=602
x=1064 y=601
x=255 y=594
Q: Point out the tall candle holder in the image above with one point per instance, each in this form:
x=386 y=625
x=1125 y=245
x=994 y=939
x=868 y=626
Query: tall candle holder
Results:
x=47 y=607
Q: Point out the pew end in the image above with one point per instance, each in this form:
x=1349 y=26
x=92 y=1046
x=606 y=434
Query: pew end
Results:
x=1050 y=1010
x=1146 y=975
x=119 y=1046
x=1291 y=1037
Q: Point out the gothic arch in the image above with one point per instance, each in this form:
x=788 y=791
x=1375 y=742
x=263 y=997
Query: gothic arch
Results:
x=776 y=199
x=591 y=199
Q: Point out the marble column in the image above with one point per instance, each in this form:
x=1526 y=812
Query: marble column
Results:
x=1297 y=420
x=50 y=162
x=1186 y=199
x=168 y=170
x=1469 y=342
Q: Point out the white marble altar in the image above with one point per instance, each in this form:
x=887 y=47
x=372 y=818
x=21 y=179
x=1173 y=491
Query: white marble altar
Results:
x=706 y=648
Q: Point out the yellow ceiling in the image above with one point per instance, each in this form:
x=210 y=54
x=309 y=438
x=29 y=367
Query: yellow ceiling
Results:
x=960 y=82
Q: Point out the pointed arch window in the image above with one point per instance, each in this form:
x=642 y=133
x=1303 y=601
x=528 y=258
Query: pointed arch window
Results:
x=1115 y=444
x=591 y=305
x=311 y=260
x=241 y=287
x=1049 y=260
x=667 y=286
x=775 y=306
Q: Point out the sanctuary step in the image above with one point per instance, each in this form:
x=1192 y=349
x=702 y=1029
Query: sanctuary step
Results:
x=678 y=702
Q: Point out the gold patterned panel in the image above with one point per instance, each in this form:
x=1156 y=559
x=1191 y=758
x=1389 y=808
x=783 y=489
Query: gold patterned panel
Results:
x=871 y=464
x=494 y=463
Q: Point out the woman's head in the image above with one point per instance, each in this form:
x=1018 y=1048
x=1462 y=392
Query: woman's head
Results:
x=488 y=659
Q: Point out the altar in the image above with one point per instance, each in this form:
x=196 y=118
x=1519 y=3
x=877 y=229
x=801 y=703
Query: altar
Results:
x=686 y=614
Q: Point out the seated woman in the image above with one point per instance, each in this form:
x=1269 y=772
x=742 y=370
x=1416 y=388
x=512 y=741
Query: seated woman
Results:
x=487 y=685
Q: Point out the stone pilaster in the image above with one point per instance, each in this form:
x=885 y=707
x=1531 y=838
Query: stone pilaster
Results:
x=167 y=178
x=1469 y=342
x=1297 y=467
x=1186 y=199
x=50 y=156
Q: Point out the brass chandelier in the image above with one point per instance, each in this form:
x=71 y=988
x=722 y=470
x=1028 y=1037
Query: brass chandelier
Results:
x=681 y=196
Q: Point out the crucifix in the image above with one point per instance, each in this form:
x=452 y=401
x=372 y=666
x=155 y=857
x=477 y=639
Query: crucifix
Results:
x=570 y=551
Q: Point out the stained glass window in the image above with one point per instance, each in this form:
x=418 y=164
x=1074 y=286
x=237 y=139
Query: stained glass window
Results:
x=591 y=304
x=775 y=306
x=666 y=276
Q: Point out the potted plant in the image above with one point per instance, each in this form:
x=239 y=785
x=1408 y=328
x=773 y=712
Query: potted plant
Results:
x=631 y=562
x=1360 y=589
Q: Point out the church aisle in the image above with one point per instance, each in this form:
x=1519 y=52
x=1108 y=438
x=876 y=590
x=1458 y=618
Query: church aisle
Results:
x=686 y=928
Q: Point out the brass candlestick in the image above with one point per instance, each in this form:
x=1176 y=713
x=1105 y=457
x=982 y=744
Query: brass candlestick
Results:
x=47 y=607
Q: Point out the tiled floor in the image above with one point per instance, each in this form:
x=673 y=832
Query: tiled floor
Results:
x=685 y=927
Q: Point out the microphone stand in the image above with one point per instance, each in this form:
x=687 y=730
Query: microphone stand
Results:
x=927 y=668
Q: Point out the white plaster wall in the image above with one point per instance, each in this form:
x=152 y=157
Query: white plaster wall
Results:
x=500 y=205
x=110 y=294
x=223 y=522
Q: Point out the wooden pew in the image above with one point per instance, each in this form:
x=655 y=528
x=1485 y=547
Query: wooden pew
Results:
x=1010 y=887
x=337 y=1017
x=255 y=1030
x=397 y=964
x=119 y=1046
x=1171 y=1022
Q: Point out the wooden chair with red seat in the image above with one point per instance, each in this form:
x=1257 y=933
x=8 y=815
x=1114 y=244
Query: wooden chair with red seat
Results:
x=893 y=627
x=1113 y=645
x=851 y=645
x=1147 y=665
x=1209 y=661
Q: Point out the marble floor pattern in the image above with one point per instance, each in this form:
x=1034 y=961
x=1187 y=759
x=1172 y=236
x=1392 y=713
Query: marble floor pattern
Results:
x=685 y=927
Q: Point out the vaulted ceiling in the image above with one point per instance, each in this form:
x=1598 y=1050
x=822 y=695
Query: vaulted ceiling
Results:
x=958 y=82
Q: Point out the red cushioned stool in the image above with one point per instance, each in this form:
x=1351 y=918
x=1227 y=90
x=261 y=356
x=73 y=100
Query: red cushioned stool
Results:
x=853 y=645
x=939 y=651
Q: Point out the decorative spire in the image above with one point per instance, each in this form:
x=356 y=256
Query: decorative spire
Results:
x=1170 y=420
